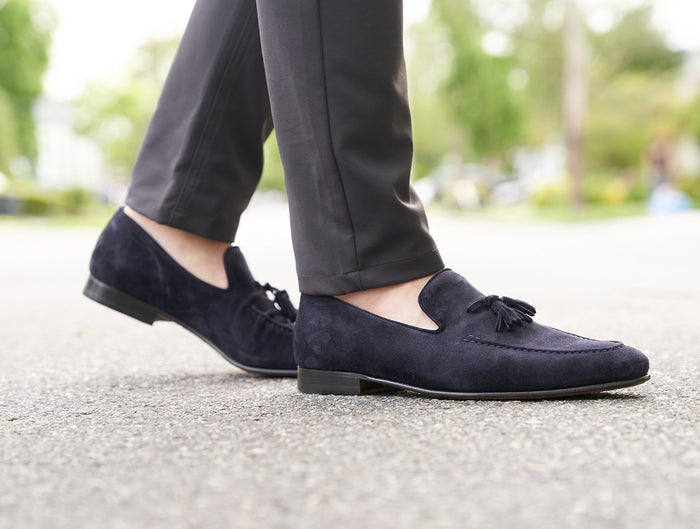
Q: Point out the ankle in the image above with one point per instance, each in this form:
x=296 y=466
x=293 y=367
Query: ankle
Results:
x=397 y=302
x=200 y=256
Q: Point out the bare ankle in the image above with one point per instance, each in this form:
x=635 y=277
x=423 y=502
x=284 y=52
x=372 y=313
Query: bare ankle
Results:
x=200 y=256
x=395 y=302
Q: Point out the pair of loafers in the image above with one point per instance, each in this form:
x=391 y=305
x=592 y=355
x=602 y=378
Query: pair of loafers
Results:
x=484 y=347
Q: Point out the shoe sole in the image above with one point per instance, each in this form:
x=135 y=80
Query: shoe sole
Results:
x=341 y=383
x=115 y=299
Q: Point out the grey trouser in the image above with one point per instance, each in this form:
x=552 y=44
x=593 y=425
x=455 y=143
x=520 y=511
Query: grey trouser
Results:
x=337 y=96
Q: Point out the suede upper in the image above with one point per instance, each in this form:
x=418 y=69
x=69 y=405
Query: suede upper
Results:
x=240 y=321
x=466 y=354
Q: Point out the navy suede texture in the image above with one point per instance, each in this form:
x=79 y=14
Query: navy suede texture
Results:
x=466 y=354
x=240 y=320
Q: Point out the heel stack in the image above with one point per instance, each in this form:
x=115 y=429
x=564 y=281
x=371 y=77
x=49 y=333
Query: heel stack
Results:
x=110 y=297
x=335 y=383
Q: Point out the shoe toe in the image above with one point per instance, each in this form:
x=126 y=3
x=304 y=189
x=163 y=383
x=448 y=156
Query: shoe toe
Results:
x=631 y=363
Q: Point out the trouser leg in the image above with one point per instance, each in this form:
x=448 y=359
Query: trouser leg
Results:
x=337 y=82
x=338 y=87
x=201 y=159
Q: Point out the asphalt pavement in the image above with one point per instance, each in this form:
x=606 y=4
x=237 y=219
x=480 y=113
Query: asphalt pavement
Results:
x=107 y=422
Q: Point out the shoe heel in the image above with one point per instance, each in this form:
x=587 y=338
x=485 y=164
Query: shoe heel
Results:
x=334 y=383
x=110 y=297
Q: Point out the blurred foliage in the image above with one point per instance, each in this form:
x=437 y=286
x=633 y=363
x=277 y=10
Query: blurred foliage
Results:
x=476 y=86
x=691 y=119
x=473 y=104
x=24 y=197
x=25 y=36
x=435 y=132
x=117 y=116
x=504 y=101
x=539 y=55
x=626 y=116
x=632 y=92
x=8 y=133
x=690 y=185
x=634 y=45
x=599 y=187
x=273 y=172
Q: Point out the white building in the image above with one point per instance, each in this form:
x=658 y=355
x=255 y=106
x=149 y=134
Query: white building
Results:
x=65 y=159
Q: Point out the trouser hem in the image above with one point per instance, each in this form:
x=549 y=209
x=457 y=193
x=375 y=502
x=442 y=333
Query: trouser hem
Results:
x=372 y=277
x=201 y=225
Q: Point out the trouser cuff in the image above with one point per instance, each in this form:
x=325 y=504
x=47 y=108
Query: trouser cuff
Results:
x=372 y=277
x=209 y=226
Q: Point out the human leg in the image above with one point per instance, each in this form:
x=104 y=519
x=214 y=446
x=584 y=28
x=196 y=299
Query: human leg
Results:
x=337 y=91
x=337 y=80
x=337 y=84
x=201 y=158
x=170 y=256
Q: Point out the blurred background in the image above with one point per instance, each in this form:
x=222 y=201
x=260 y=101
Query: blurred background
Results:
x=522 y=110
x=562 y=109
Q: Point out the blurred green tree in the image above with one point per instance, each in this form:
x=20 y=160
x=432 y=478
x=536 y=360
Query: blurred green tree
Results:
x=436 y=134
x=476 y=87
x=631 y=72
x=25 y=37
x=8 y=133
x=691 y=118
x=631 y=46
x=632 y=92
x=634 y=45
x=538 y=52
x=117 y=116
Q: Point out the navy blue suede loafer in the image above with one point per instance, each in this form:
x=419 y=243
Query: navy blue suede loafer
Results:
x=486 y=347
x=131 y=273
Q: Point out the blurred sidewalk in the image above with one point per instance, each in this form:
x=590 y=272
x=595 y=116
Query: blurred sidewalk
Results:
x=106 y=421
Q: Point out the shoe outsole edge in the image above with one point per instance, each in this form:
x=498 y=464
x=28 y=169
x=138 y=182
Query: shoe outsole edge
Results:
x=342 y=383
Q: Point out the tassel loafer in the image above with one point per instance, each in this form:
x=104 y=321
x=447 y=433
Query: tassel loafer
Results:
x=131 y=273
x=486 y=347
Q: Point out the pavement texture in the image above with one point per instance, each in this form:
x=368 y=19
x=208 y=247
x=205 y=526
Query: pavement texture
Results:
x=107 y=422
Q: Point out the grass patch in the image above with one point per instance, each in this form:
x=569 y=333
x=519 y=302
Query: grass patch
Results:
x=94 y=216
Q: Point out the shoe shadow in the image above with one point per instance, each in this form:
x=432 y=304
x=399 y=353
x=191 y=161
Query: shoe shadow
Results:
x=213 y=378
x=231 y=379
x=243 y=380
x=602 y=397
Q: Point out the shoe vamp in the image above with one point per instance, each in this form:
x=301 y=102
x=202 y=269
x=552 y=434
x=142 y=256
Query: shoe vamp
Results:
x=529 y=336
